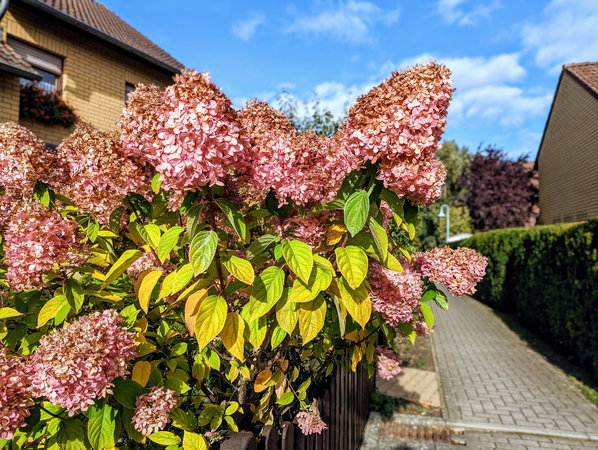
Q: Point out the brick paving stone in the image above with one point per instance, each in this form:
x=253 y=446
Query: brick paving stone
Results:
x=506 y=382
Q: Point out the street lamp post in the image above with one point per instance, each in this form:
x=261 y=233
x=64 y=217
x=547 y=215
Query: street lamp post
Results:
x=445 y=211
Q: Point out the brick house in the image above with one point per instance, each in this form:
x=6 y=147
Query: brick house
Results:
x=79 y=48
x=567 y=159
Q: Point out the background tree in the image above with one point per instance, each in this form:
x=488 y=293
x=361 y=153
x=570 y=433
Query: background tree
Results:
x=310 y=117
x=499 y=192
x=432 y=228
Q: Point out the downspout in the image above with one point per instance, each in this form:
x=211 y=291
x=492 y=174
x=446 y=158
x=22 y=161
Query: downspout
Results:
x=3 y=9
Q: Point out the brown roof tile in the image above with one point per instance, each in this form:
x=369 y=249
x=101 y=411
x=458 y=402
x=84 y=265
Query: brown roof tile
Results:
x=586 y=73
x=96 y=15
x=13 y=62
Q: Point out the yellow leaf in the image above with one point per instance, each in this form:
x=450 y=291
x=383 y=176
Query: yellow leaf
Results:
x=335 y=233
x=147 y=287
x=232 y=335
x=141 y=372
x=311 y=318
x=357 y=301
x=50 y=309
x=287 y=312
x=393 y=263
x=210 y=319
x=191 y=308
x=142 y=324
x=356 y=356
x=240 y=268
x=6 y=313
x=352 y=263
x=261 y=380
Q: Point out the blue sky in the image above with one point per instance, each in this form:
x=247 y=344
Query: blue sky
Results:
x=505 y=55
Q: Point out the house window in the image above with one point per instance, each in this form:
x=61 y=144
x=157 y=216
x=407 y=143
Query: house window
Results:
x=129 y=87
x=49 y=66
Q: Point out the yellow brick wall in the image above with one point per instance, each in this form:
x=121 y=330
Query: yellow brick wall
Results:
x=9 y=97
x=568 y=159
x=94 y=74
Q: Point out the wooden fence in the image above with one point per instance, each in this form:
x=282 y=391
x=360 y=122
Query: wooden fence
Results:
x=344 y=407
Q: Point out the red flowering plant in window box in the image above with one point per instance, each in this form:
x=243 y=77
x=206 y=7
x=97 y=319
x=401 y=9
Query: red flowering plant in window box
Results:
x=46 y=106
x=204 y=269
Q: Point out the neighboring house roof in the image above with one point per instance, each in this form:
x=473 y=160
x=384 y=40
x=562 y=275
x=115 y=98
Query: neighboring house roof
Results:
x=586 y=74
x=98 y=20
x=12 y=62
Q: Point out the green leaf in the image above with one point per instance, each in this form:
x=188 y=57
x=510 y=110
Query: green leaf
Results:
x=202 y=250
x=148 y=283
x=233 y=335
x=168 y=242
x=408 y=331
x=93 y=228
x=156 y=183
x=126 y=392
x=260 y=245
x=101 y=428
x=357 y=301
x=287 y=312
x=311 y=318
x=6 y=313
x=118 y=268
x=183 y=420
x=319 y=280
x=267 y=289
x=380 y=239
x=71 y=435
x=428 y=295
x=255 y=330
x=240 y=268
x=327 y=206
x=393 y=200
x=441 y=300
x=74 y=294
x=234 y=217
x=278 y=336
x=151 y=234
x=50 y=309
x=428 y=314
x=299 y=257
x=357 y=208
x=194 y=441
x=164 y=438
x=352 y=263
x=178 y=349
x=193 y=223
x=286 y=398
x=210 y=319
x=115 y=219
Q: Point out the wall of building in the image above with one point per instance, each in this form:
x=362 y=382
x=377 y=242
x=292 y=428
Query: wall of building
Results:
x=568 y=160
x=94 y=73
x=9 y=97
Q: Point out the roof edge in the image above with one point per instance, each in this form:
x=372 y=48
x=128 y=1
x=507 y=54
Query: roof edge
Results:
x=558 y=85
x=581 y=81
x=19 y=72
x=94 y=31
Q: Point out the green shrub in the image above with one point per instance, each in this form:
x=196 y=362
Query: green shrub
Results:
x=548 y=276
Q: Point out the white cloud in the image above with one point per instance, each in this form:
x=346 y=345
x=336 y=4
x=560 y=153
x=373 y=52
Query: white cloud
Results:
x=457 y=12
x=350 y=21
x=331 y=96
x=567 y=33
x=485 y=90
x=244 y=29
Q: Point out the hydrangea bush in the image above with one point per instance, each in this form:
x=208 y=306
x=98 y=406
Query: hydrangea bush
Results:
x=204 y=269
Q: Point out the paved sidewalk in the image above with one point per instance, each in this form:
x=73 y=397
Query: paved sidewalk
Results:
x=490 y=377
x=496 y=392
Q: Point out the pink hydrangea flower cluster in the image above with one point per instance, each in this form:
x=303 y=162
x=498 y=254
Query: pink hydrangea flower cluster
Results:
x=459 y=270
x=388 y=365
x=395 y=294
x=305 y=168
x=15 y=400
x=74 y=366
x=188 y=133
x=37 y=239
x=310 y=229
x=400 y=122
x=152 y=409
x=24 y=159
x=309 y=420
x=99 y=174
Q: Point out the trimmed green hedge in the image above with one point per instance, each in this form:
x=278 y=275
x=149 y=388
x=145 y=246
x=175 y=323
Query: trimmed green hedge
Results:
x=548 y=276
